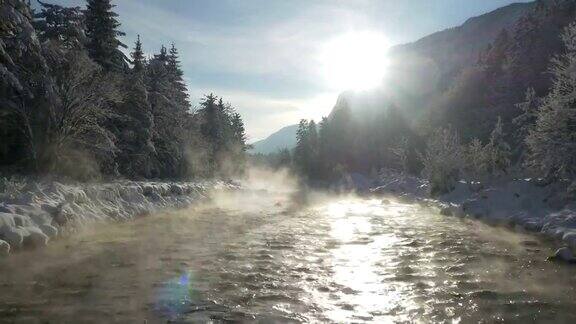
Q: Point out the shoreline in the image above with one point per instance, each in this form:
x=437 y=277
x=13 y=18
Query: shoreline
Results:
x=38 y=212
x=514 y=203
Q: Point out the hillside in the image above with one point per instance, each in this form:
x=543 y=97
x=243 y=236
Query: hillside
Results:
x=430 y=65
x=465 y=85
x=443 y=54
x=284 y=138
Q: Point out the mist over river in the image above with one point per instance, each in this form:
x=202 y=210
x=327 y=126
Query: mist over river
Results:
x=257 y=257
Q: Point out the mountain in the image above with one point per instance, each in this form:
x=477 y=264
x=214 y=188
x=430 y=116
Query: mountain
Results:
x=425 y=68
x=284 y=138
x=466 y=79
x=450 y=50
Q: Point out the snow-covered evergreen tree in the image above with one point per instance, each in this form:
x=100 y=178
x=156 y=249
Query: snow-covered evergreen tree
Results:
x=23 y=80
x=138 y=59
x=62 y=24
x=102 y=31
x=552 y=142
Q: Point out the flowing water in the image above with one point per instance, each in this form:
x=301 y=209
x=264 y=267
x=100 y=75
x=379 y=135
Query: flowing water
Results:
x=255 y=258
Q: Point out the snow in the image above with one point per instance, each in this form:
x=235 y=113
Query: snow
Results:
x=4 y=248
x=521 y=202
x=34 y=212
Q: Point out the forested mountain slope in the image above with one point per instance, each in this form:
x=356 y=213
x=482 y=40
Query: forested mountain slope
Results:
x=464 y=87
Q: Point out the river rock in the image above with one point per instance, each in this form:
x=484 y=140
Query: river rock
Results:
x=49 y=230
x=6 y=221
x=563 y=254
x=5 y=208
x=533 y=226
x=14 y=236
x=4 y=248
x=36 y=237
x=21 y=220
x=570 y=239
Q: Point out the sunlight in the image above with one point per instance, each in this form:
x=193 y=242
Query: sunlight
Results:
x=355 y=61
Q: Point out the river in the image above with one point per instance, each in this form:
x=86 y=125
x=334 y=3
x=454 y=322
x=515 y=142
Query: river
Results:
x=256 y=257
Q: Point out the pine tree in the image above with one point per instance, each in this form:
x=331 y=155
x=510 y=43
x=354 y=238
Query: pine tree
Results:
x=138 y=59
x=174 y=63
x=162 y=56
x=212 y=115
x=136 y=129
x=169 y=119
x=301 y=149
x=211 y=128
x=63 y=24
x=23 y=72
x=102 y=30
x=239 y=132
x=176 y=74
x=312 y=150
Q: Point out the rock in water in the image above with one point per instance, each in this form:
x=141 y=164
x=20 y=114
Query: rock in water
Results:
x=37 y=238
x=49 y=230
x=563 y=254
x=14 y=236
x=4 y=248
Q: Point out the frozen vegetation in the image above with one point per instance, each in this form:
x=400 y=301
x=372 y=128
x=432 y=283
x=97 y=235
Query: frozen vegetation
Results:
x=33 y=213
x=524 y=203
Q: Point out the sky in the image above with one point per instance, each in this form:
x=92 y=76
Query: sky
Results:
x=264 y=56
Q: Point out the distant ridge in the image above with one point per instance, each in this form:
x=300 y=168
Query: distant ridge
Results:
x=282 y=139
x=453 y=48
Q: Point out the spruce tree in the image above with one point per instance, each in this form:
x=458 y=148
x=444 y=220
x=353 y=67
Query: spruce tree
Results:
x=312 y=150
x=301 y=151
x=174 y=63
x=62 y=24
x=162 y=56
x=138 y=59
x=176 y=78
x=239 y=132
x=169 y=122
x=102 y=31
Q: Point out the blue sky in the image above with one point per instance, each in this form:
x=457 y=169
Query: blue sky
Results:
x=261 y=55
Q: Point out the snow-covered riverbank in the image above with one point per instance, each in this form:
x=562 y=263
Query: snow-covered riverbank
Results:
x=33 y=213
x=523 y=203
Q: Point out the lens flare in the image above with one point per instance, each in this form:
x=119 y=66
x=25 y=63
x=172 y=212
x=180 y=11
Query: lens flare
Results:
x=354 y=61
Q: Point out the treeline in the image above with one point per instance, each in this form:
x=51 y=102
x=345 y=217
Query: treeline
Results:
x=71 y=102
x=512 y=114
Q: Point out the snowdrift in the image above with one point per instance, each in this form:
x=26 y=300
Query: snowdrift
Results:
x=522 y=203
x=35 y=213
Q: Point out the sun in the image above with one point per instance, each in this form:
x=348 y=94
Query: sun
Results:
x=354 y=61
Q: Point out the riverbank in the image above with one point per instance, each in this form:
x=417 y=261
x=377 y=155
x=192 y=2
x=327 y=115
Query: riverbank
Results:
x=522 y=203
x=33 y=213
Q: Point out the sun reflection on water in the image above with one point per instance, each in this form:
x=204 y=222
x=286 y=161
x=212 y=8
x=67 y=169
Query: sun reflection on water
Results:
x=360 y=261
